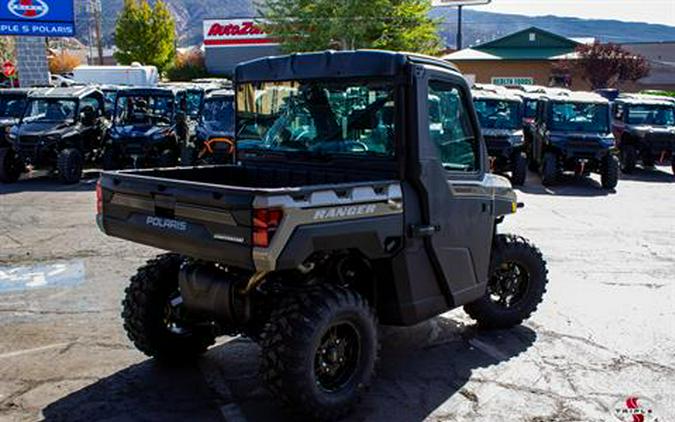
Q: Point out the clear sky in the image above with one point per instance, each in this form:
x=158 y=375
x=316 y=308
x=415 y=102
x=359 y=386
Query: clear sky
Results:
x=648 y=11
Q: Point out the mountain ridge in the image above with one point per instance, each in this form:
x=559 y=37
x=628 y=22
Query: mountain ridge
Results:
x=478 y=26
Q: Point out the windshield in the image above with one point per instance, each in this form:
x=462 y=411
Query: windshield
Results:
x=12 y=107
x=317 y=117
x=530 y=108
x=50 y=110
x=194 y=102
x=655 y=115
x=144 y=110
x=109 y=97
x=498 y=114
x=218 y=114
x=579 y=117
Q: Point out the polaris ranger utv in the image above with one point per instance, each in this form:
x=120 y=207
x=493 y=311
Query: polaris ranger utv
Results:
x=644 y=128
x=145 y=129
x=359 y=205
x=213 y=142
x=61 y=130
x=500 y=118
x=573 y=133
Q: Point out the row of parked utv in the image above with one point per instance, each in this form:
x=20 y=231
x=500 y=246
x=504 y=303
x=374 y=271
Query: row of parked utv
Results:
x=64 y=130
x=554 y=130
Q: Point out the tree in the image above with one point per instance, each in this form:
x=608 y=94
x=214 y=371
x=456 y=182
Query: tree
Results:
x=145 y=34
x=306 y=25
x=188 y=66
x=63 y=62
x=609 y=65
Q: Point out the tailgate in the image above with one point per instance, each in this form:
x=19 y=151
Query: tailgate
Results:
x=194 y=219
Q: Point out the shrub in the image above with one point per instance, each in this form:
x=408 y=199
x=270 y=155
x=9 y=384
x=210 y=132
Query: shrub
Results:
x=187 y=66
x=63 y=62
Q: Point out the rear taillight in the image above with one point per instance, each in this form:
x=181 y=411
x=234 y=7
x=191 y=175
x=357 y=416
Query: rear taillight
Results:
x=265 y=224
x=99 y=198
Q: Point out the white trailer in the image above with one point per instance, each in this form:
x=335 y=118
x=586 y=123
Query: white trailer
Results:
x=134 y=75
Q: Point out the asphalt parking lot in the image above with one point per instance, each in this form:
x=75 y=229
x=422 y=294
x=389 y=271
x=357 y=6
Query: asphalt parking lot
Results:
x=605 y=332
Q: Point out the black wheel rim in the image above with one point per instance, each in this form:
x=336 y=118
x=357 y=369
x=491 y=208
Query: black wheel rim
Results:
x=508 y=285
x=174 y=318
x=337 y=357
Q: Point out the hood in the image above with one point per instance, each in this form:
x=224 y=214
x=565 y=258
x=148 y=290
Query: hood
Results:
x=43 y=128
x=8 y=121
x=132 y=131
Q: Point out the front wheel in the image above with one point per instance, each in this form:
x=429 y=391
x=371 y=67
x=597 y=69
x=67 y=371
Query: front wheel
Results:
x=70 y=164
x=628 y=158
x=10 y=166
x=610 y=172
x=518 y=278
x=154 y=317
x=319 y=350
x=550 y=170
x=519 y=169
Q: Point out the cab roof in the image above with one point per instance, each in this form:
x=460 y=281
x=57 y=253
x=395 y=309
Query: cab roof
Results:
x=638 y=99
x=15 y=91
x=500 y=95
x=220 y=93
x=334 y=65
x=577 y=97
x=159 y=91
x=74 y=92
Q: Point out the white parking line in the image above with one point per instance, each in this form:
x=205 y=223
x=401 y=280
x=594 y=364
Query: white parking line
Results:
x=34 y=350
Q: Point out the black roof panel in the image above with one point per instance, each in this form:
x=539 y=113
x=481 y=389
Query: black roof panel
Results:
x=332 y=64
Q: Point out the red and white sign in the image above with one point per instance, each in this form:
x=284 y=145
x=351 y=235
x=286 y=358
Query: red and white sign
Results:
x=8 y=69
x=235 y=32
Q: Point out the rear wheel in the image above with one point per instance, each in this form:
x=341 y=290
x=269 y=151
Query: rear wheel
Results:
x=519 y=169
x=153 y=315
x=647 y=159
x=69 y=165
x=187 y=156
x=628 y=158
x=167 y=158
x=10 y=167
x=610 y=172
x=550 y=170
x=319 y=351
x=516 y=287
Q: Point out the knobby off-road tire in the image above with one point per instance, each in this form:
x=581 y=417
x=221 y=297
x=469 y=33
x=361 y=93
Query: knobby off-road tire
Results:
x=69 y=165
x=109 y=161
x=319 y=351
x=610 y=172
x=519 y=169
x=517 y=271
x=150 y=320
x=549 y=169
x=628 y=159
x=10 y=168
x=188 y=156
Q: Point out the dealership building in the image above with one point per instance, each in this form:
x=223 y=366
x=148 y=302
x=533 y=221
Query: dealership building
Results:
x=228 y=42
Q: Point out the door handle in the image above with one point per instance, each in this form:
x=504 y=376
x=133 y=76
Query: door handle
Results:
x=424 y=231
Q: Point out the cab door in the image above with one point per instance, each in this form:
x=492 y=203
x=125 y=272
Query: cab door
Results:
x=453 y=185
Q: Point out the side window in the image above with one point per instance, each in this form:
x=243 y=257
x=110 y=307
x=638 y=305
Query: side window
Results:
x=450 y=128
x=90 y=109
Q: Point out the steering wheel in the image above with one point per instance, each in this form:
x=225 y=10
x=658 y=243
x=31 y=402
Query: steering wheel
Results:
x=361 y=147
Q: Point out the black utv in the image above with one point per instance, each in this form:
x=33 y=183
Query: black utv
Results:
x=146 y=125
x=367 y=199
x=500 y=115
x=573 y=133
x=644 y=128
x=61 y=130
x=213 y=142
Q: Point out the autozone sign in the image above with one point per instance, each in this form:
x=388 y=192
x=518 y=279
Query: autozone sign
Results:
x=235 y=32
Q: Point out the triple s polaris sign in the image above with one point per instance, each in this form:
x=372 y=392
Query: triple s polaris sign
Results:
x=39 y=18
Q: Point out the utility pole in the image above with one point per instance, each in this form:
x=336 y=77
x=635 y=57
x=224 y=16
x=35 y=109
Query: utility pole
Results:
x=96 y=9
x=459 y=27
